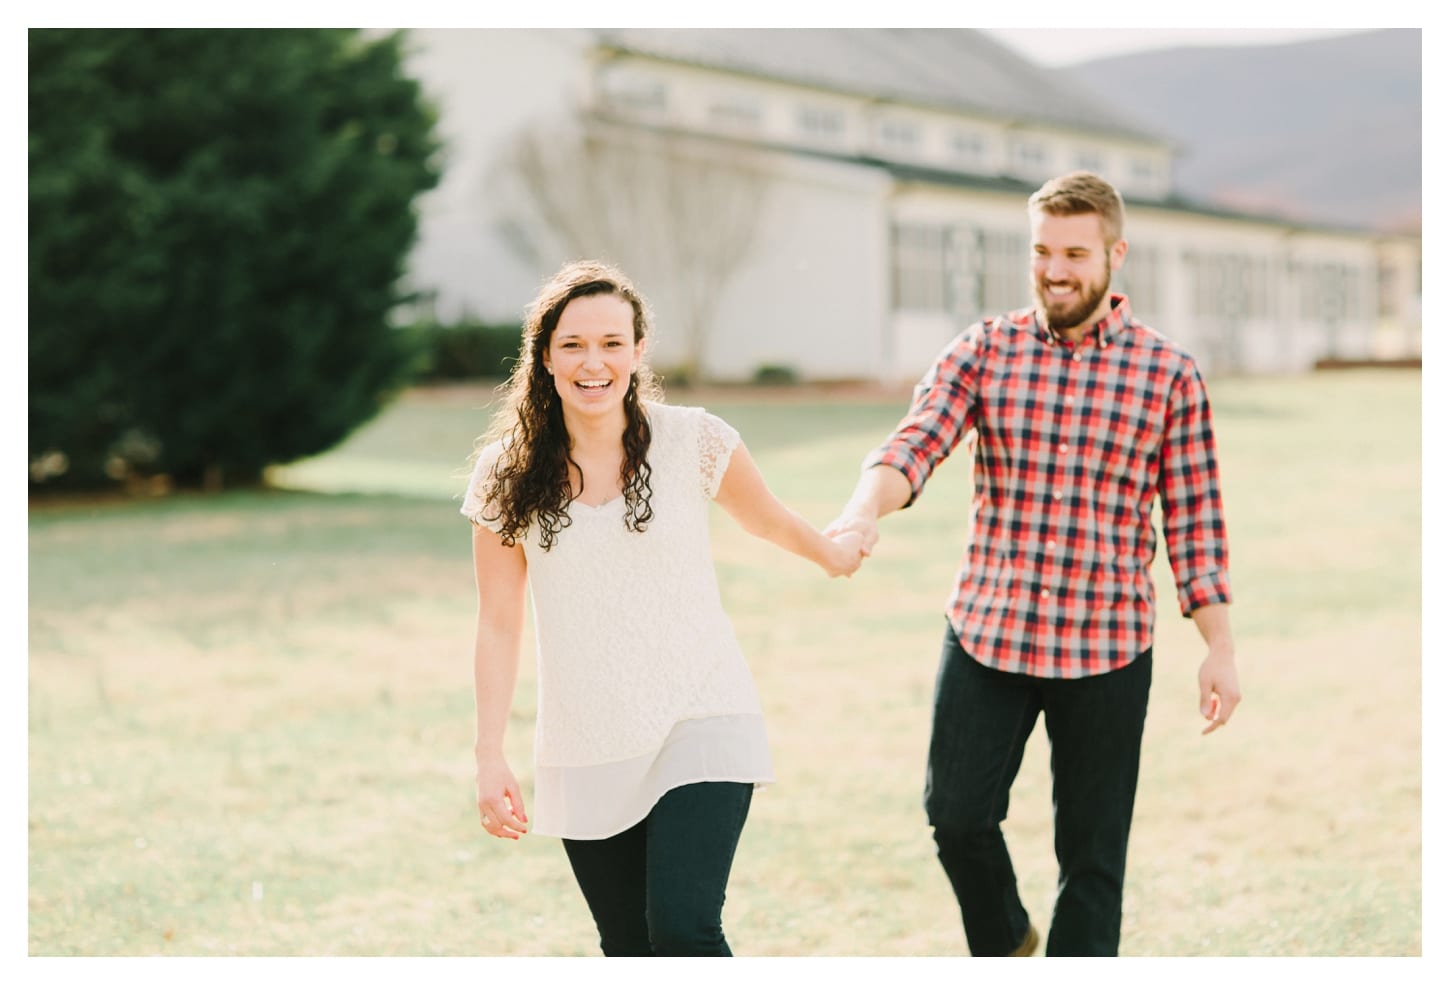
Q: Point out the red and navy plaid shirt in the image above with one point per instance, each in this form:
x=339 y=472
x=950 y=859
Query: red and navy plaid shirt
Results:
x=1074 y=442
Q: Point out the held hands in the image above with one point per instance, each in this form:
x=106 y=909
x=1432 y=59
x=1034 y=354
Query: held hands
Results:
x=852 y=539
x=844 y=555
x=500 y=804
x=855 y=523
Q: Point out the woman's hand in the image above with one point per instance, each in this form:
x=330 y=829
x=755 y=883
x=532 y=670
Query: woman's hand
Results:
x=500 y=804
x=844 y=555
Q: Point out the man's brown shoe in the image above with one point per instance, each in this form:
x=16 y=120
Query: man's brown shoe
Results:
x=1028 y=945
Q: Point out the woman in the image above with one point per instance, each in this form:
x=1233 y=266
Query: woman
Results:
x=595 y=495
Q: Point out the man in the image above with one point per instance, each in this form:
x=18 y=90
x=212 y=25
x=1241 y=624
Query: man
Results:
x=1083 y=416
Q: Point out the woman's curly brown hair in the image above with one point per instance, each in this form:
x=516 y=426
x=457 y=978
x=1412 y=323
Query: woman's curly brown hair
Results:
x=530 y=483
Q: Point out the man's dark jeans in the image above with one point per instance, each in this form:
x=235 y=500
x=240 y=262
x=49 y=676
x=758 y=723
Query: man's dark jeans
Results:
x=981 y=722
x=658 y=888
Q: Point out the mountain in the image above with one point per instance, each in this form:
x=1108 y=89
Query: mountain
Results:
x=1320 y=131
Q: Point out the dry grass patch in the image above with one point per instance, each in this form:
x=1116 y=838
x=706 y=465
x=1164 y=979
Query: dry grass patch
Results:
x=251 y=715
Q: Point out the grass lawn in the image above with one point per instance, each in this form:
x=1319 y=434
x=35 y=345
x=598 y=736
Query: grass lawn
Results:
x=250 y=714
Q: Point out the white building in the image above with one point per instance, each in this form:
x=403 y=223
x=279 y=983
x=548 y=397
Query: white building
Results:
x=885 y=205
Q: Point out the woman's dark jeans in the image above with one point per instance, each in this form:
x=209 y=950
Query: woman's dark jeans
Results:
x=658 y=888
x=980 y=727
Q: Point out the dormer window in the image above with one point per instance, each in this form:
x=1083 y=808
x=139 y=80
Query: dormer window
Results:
x=900 y=135
x=736 y=112
x=968 y=147
x=636 y=94
x=821 y=123
x=1030 y=155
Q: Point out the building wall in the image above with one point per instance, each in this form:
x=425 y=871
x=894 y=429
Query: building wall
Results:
x=1242 y=296
x=487 y=83
x=1397 y=331
x=814 y=292
x=958 y=257
x=855 y=275
x=659 y=93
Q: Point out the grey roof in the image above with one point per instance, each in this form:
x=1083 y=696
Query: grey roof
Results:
x=1175 y=202
x=949 y=68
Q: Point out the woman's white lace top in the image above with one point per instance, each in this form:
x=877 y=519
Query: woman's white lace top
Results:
x=642 y=686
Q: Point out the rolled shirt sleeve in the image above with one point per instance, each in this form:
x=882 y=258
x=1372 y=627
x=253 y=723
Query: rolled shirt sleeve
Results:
x=943 y=410
x=1193 y=522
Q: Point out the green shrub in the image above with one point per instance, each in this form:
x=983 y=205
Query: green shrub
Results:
x=219 y=220
x=775 y=375
x=467 y=349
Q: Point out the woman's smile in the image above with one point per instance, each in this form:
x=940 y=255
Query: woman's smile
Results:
x=592 y=353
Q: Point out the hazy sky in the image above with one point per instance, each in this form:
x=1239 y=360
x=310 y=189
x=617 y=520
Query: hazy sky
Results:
x=1052 y=47
x=1056 y=47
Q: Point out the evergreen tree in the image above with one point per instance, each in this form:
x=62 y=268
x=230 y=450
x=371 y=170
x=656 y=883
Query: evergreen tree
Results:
x=219 y=223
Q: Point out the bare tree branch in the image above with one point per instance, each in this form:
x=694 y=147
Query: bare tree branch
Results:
x=679 y=214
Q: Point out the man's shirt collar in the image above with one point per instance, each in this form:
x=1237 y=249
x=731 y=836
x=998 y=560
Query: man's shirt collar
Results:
x=1103 y=333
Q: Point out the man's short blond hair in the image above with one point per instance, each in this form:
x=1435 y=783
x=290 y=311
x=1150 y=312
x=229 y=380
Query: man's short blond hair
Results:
x=1079 y=193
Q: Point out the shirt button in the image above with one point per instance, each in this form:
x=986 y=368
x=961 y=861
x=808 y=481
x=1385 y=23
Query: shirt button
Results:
x=1057 y=495
x=1052 y=545
x=1069 y=401
x=1062 y=448
x=1077 y=357
x=1044 y=593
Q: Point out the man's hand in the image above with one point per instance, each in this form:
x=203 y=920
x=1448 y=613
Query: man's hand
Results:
x=1218 y=688
x=880 y=490
x=855 y=523
x=845 y=555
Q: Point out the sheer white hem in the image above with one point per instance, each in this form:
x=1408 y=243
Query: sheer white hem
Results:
x=593 y=802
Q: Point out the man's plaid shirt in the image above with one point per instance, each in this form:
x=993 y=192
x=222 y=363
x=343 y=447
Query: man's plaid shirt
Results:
x=1074 y=442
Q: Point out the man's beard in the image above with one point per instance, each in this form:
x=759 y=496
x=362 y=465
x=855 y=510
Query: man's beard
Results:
x=1060 y=318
